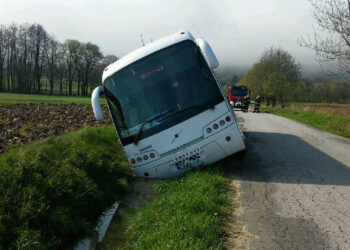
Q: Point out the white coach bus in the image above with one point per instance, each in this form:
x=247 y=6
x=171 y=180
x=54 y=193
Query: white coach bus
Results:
x=169 y=111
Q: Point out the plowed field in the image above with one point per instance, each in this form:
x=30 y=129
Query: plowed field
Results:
x=22 y=123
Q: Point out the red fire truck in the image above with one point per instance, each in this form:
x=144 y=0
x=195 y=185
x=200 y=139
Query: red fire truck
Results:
x=237 y=95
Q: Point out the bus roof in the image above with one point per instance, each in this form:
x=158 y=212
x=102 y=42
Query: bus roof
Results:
x=145 y=51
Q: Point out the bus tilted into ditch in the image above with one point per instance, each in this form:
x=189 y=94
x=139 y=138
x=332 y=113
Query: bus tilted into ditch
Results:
x=169 y=111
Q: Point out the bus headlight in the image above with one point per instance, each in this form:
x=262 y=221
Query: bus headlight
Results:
x=217 y=125
x=143 y=158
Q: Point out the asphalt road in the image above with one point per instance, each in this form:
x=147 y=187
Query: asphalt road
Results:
x=294 y=185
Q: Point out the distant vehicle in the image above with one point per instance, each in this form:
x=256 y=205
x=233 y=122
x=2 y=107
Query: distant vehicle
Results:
x=236 y=95
x=167 y=107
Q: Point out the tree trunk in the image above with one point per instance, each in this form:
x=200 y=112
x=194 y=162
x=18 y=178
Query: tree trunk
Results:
x=78 y=88
x=61 y=82
x=36 y=68
x=70 y=86
x=51 y=81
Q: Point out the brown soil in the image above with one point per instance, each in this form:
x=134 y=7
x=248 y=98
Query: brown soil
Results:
x=22 y=123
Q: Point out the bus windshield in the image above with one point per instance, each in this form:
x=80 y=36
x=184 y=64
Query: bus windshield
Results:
x=167 y=81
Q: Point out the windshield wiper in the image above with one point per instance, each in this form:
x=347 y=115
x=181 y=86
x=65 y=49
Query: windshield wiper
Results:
x=195 y=107
x=151 y=119
x=204 y=107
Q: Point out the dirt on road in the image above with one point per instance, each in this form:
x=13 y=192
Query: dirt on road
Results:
x=294 y=184
x=22 y=123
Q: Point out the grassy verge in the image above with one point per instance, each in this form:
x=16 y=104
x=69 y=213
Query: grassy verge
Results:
x=324 y=117
x=53 y=191
x=188 y=213
x=10 y=98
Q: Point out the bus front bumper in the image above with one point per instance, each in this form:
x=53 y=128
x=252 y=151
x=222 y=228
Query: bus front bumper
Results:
x=205 y=152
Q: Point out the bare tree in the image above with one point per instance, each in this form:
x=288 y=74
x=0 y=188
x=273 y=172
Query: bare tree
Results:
x=39 y=38
x=2 y=56
x=70 y=48
x=75 y=53
x=90 y=57
x=107 y=60
x=51 y=57
x=11 y=55
x=331 y=38
x=25 y=76
x=28 y=56
x=61 y=65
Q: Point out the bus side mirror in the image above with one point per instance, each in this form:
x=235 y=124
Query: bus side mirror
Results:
x=208 y=53
x=95 y=102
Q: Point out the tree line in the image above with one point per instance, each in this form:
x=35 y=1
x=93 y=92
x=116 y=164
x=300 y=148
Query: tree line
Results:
x=277 y=76
x=33 y=61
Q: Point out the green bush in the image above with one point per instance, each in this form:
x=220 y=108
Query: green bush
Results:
x=53 y=191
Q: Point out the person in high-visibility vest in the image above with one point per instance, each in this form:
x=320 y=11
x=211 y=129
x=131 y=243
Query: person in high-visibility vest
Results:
x=257 y=104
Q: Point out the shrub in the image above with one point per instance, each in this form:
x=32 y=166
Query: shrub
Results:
x=53 y=191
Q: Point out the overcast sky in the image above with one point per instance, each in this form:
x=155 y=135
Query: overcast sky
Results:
x=238 y=30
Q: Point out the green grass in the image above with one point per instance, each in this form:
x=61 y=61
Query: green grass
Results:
x=10 y=98
x=331 y=122
x=54 y=190
x=45 y=85
x=187 y=214
x=56 y=85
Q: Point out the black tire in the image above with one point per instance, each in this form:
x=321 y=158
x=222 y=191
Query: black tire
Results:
x=241 y=153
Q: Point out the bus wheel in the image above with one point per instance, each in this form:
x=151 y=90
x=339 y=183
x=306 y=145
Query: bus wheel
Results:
x=241 y=153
